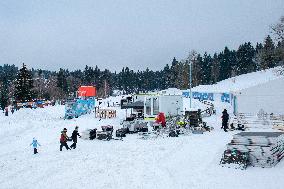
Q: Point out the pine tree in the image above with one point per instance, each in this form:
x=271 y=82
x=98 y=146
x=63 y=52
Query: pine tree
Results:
x=245 y=59
x=174 y=73
x=206 y=68
x=4 y=96
x=166 y=82
x=24 y=85
x=226 y=64
x=267 y=56
x=279 y=53
x=215 y=70
x=89 y=76
x=62 y=80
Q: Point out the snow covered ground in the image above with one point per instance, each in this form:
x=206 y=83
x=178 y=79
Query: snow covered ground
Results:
x=183 y=162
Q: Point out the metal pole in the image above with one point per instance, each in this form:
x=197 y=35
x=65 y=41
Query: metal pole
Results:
x=190 y=81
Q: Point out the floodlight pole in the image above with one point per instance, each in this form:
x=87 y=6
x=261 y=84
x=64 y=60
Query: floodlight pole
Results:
x=190 y=81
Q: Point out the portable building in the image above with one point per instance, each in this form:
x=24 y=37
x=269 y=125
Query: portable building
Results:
x=170 y=105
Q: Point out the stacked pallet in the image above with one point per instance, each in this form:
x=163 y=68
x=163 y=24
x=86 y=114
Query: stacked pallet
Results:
x=265 y=149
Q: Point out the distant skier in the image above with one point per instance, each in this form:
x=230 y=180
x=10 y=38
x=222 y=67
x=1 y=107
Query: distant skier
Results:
x=6 y=111
x=35 y=143
x=63 y=140
x=12 y=109
x=74 y=137
x=225 y=119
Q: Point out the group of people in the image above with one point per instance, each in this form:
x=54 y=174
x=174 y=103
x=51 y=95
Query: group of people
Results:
x=64 y=138
x=6 y=110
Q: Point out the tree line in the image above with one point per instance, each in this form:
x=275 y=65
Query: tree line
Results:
x=24 y=84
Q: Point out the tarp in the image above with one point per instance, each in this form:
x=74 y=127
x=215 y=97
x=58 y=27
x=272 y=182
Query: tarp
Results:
x=75 y=108
x=135 y=105
x=87 y=91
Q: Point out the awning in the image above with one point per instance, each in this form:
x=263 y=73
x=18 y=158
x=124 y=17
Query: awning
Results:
x=134 y=105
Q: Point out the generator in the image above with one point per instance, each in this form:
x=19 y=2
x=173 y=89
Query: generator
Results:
x=121 y=132
x=104 y=135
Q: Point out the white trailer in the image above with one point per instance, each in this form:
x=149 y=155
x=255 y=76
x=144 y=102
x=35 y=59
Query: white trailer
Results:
x=168 y=104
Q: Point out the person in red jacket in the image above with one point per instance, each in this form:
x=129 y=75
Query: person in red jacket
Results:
x=63 y=140
x=161 y=119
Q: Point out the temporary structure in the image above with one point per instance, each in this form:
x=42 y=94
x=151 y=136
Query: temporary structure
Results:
x=266 y=96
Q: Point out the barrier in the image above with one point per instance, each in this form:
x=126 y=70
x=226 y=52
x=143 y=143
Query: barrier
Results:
x=78 y=107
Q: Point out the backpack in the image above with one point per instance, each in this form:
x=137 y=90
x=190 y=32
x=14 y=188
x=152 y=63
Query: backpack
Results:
x=62 y=138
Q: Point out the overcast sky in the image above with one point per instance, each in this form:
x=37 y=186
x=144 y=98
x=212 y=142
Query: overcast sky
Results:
x=112 y=34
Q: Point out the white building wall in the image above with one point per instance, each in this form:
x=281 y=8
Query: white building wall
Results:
x=171 y=104
x=268 y=96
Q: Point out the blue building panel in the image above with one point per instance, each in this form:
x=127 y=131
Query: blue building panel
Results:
x=78 y=107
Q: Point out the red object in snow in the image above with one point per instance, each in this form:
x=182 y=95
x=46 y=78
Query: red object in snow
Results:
x=87 y=91
x=161 y=119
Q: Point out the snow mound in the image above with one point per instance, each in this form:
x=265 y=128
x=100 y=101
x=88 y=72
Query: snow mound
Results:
x=241 y=82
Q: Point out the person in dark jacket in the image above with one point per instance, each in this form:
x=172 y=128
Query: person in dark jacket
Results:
x=63 y=140
x=74 y=137
x=225 y=119
x=6 y=111
x=12 y=109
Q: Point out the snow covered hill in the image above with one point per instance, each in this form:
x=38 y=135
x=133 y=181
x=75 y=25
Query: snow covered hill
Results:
x=241 y=82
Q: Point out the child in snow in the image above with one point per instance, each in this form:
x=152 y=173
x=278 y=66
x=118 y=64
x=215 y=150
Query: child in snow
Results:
x=35 y=143
x=74 y=137
x=63 y=140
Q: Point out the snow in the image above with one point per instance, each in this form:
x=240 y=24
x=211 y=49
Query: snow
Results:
x=240 y=82
x=183 y=162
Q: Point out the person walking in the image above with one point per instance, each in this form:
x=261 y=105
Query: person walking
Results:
x=225 y=119
x=12 y=110
x=6 y=111
x=74 y=137
x=63 y=140
x=35 y=144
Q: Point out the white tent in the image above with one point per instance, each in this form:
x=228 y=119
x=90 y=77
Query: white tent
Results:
x=268 y=96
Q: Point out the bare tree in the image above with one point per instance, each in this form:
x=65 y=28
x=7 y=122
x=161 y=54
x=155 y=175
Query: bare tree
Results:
x=278 y=29
x=192 y=58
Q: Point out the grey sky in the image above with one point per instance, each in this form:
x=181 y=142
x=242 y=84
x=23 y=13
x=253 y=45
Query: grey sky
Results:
x=135 y=33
